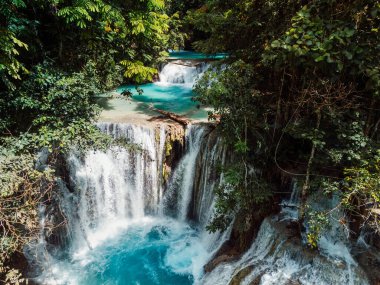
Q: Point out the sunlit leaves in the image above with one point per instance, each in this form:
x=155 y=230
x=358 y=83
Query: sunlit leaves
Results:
x=157 y=3
x=83 y=12
x=8 y=58
x=78 y=15
x=10 y=44
x=317 y=224
x=138 y=31
x=137 y=71
x=138 y=27
x=361 y=185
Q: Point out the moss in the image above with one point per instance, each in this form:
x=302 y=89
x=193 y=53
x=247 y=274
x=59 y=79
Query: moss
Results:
x=157 y=134
x=165 y=172
x=174 y=137
x=168 y=148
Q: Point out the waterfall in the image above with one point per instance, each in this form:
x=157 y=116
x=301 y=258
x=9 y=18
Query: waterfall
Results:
x=112 y=188
x=182 y=181
x=119 y=192
x=213 y=156
x=275 y=259
x=278 y=255
x=128 y=223
x=180 y=72
x=290 y=207
x=124 y=222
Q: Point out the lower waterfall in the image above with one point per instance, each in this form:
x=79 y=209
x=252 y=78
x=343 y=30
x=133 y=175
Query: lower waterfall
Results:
x=118 y=230
x=278 y=256
x=125 y=223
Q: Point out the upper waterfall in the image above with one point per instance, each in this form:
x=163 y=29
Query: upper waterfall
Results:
x=180 y=72
x=173 y=93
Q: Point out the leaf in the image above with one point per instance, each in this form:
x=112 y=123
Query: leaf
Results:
x=158 y=3
x=348 y=54
x=275 y=44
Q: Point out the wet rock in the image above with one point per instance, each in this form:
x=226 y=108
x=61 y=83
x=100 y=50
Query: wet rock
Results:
x=293 y=229
x=245 y=228
x=257 y=280
x=19 y=262
x=376 y=241
x=239 y=277
x=226 y=253
x=340 y=264
x=174 y=148
x=220 y=259
x=369 y=261
x=293 y=282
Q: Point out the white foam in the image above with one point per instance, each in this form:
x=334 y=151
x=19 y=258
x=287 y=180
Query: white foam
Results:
x=174 y=73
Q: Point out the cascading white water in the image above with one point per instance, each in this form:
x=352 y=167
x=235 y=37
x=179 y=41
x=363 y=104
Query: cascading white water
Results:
x=277 y=257
x=142 y=165
x=114 y=212
x=116 y=195
x=272 y=259
x=115 y=186
x=121 y=230
x=182 y=181
x=181 y=73
x=213 y=157
x=290 y=207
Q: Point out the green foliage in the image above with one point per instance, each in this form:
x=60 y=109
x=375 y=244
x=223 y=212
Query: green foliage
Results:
x=317 y=223
x=241 y=27
x=299 y=95
x=136 y=32
x=232 y=96
x=138 y=72
x=361 y=186
x=355 y=147
x=10 y=45
x=324 y=37
x=177 y=36
x=313 y=40
x=49 y=98
x=22 y=190
x=80 y=12
x=239 y=193
x=107 y=33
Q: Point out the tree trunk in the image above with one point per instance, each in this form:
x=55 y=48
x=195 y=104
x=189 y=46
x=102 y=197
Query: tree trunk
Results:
x=179 y=119
x=278 y=106
x=306 y=185
x=369 y=118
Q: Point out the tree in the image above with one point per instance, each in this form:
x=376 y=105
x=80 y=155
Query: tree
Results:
x=301 y=87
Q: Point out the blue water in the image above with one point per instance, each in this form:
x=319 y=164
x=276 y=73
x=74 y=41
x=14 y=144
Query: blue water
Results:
x=176 y=98
x=195 y=55
x=157 y=251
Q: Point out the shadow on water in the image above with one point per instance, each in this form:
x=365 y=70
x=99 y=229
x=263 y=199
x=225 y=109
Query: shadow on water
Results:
x=104 y=103
x=174 y=98
x=142 y=105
